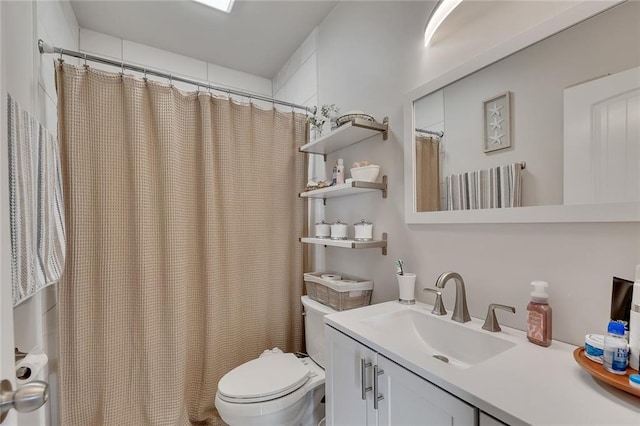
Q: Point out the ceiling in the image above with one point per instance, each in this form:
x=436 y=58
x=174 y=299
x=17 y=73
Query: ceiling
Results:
x=257 y=37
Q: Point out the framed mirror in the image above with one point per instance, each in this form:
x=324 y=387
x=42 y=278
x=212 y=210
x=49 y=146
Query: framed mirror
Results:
x=542 y=128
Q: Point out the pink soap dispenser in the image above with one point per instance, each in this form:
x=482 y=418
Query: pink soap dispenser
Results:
x=539 y=315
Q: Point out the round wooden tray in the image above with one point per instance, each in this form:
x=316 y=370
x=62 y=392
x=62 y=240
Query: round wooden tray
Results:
x=597 y=370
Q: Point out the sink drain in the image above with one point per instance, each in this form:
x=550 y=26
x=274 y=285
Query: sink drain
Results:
x=441 y=358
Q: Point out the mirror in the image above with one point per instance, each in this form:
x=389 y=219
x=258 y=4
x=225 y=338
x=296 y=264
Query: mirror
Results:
x=550 y=133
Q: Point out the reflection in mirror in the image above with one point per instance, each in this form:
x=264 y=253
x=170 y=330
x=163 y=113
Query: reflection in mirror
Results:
x=567 y=106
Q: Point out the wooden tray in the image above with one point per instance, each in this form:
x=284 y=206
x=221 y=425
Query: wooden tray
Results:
x=597 y=370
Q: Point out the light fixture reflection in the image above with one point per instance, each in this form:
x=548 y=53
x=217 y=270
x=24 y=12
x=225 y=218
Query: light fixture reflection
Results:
x=223 y=5
x=437 y=17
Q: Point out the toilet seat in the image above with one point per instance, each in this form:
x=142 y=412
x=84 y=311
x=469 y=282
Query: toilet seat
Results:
x=263 y=379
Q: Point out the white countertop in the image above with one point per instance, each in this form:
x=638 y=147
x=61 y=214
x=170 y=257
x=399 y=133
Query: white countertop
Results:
x=526 y=384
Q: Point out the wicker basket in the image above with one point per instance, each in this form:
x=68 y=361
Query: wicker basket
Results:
x=347 y=293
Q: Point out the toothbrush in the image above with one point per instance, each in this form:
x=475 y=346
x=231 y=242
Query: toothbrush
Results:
x=399 y=266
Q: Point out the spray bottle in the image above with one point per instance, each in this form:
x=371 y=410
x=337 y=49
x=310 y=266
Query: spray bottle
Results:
x=539 y=316
x=340 y=172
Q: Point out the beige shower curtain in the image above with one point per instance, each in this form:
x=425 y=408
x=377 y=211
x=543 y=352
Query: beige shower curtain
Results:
x=183 y=253
x=427 y=174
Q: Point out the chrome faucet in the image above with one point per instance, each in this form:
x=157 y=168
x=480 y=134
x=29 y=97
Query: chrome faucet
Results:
x=438 y=306
x=491 y=322
x=460 y=310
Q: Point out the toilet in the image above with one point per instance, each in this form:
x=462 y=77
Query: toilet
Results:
x=279 y=389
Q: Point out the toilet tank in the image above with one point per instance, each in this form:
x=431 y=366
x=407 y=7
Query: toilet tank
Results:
x=314 y=328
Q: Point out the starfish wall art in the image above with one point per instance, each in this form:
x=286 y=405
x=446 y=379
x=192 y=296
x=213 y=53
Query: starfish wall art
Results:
x=497 y=125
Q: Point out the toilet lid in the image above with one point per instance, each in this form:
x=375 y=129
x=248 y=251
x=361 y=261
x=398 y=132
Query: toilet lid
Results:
x=263 y=379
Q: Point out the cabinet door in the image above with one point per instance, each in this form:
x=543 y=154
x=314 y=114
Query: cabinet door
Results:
x=410 y=400
x=344 y=381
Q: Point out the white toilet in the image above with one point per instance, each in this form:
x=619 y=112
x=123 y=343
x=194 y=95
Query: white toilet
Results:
x=279 y=389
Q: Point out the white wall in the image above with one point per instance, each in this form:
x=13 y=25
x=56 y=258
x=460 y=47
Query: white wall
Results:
x=92 y=42
x=369 y=58
x=297 y=82
x=30 y=79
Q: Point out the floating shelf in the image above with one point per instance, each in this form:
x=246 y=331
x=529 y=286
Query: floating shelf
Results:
x=352 y=244
x=348 y=134
x=351 y=188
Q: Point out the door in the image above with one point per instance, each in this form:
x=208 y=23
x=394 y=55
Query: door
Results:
x=410 y=400
x=7 y=361
x=349 y=383
x=602 y=140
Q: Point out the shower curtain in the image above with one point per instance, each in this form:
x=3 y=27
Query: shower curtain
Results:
x=183 y=255
x=428 y=174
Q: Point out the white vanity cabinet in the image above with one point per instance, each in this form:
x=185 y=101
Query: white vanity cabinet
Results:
x=348 y=392
x=403 y=397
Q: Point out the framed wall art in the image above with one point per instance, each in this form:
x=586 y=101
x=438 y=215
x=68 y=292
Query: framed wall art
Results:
x=497 y=122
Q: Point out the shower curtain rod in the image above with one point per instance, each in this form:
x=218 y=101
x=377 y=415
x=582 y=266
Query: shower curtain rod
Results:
x=47 y=48
x=430 y=132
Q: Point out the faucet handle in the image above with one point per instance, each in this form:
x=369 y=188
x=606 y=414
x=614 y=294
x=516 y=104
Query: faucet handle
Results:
x=438 y=306
x=491 y=322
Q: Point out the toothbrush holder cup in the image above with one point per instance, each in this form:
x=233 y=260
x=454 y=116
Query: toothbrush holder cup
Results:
x=407 y=286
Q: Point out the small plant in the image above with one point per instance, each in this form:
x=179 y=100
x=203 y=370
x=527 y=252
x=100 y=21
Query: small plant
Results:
x=327 y=110
x=318 y=120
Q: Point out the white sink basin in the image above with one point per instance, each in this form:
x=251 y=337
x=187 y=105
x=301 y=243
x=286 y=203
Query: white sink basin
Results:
x=457 y=344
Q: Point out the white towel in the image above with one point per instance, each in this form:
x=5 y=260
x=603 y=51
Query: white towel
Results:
x=37 y=216
x=496 y=187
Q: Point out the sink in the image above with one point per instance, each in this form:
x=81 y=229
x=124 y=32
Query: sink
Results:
x=419 y=331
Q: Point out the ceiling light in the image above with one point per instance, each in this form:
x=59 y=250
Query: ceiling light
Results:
x=223 y=5
x=437 y=17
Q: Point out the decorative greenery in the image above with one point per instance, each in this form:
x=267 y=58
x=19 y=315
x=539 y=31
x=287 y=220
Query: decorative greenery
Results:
x=318 y=120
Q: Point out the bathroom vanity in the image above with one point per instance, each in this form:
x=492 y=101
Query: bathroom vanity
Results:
x=393 y=364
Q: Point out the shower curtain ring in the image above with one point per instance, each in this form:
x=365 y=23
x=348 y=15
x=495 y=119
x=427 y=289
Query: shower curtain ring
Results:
x=145 y=74
x=85 y=60
x=170 y=79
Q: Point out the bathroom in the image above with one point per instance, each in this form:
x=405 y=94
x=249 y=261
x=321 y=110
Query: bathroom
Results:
x=380 y=50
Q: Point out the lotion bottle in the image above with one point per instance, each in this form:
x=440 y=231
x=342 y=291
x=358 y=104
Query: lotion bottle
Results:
x=539 y=315
x=635 y=298
x=634 y=337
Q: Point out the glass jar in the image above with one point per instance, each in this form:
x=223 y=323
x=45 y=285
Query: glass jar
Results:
x=338 y=230
x=363 y=231
x=323 y=230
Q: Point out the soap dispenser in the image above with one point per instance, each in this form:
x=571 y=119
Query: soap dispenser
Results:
x=539 y=315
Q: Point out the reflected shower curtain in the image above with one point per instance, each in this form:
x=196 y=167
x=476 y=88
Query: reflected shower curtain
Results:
x=183 y=255
x=427 y=174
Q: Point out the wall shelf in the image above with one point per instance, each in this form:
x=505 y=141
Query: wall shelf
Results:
x=348 y=134
x=352 y=244
x=351 y=188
